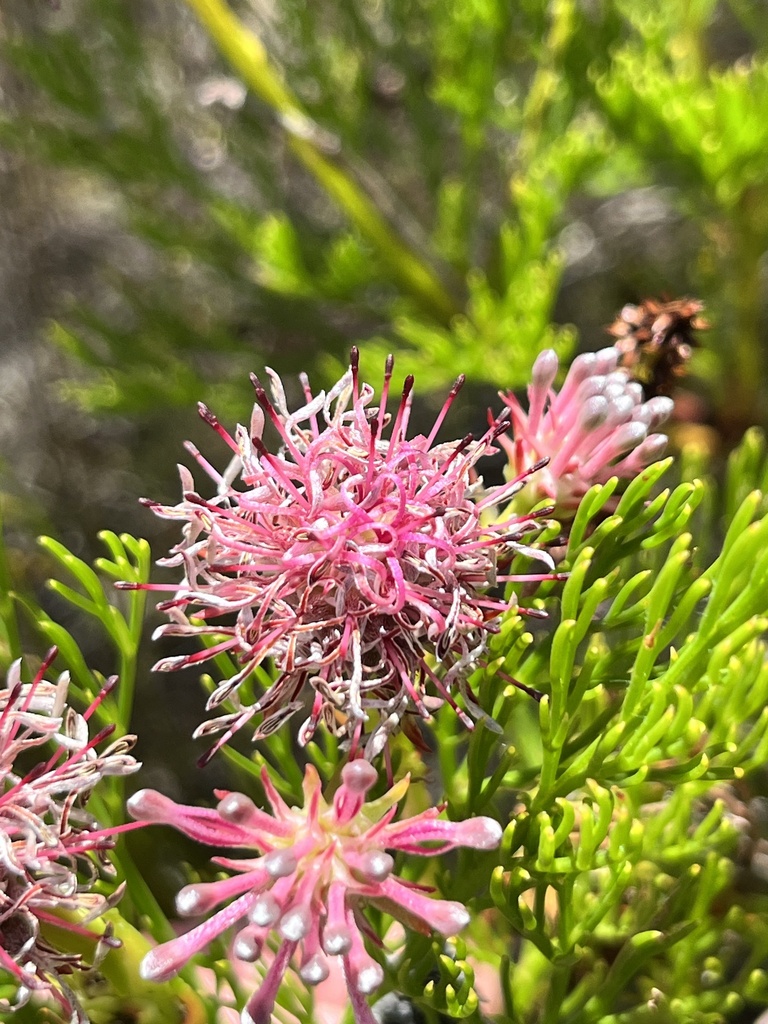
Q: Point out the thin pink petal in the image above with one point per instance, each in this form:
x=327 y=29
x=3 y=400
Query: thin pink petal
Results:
x=445 y=916
x=258 y=1009
x=200 y=823
x=166 y=960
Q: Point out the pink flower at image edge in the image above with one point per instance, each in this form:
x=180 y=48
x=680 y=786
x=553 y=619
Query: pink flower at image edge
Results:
x=315 y=868
x=53 y=850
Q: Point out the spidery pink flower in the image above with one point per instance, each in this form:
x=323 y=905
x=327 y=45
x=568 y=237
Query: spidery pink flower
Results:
x=366 y=567
x=315 y=870
x=597 y=426
x=51 y=848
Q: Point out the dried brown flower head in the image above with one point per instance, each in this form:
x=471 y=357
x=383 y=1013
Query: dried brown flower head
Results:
x=656 y=340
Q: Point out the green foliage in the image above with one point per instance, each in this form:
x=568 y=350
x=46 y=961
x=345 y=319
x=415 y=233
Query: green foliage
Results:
x=129 y=560
x=616 y=868
x=505 y=116
x=620 y=789
x=706 y=124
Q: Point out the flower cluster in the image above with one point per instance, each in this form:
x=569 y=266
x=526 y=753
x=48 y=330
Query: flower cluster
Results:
x=597 y=426
x=315 y=869
x=362 y=564
x=51 y=848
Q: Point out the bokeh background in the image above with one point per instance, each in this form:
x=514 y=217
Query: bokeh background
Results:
x=190 y=191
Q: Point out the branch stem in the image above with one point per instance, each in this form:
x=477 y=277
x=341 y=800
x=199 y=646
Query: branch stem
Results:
x=247 y=55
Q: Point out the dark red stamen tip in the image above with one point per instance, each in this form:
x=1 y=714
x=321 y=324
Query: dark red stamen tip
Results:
x=205 y=413
x=261 y=394
x=502 y=423
x=207 y=757
x=15 y=693
x=458 y=384
x=48 y=660
x=102 y=734
x=354 y=366
x=35 y=773
x=532 y=613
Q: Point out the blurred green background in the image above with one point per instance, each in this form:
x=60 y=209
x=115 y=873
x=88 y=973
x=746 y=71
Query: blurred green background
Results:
x=191 y=190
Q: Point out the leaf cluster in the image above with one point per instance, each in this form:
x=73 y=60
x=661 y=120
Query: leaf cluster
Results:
x=627 y=788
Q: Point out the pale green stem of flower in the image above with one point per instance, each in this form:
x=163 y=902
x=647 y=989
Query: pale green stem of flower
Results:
x=245 y=52
x=129 y=653
x=169 y=1003
x=8 y=621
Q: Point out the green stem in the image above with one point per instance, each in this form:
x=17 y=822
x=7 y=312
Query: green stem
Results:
x=558 y=987
x=129 y=656
x=7 y=607
x=166 y=1003
x=245 y=52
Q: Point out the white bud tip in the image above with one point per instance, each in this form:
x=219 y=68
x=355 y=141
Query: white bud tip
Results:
x=593 y=413
x=606 y=360
x=359 y=776
x=189 y=902
x=247 y=947
x=544 y=369
x=314 y=971
x=378 y=865
x=148 y=805
x=295 y=924
x=280 y=863
x=487 y=835
x=235 y=807
x=265 y=911
x=369 y=979
x=156 y=967
x=629 y=435
x=336 y=941
x=652 y=448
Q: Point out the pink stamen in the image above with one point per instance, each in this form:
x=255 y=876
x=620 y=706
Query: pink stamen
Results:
x=458 y=385
x=212 y=420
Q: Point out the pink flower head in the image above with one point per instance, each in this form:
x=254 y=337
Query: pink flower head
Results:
x=597 y=426
x=360 y=564
x=314 y=870
x=51 y=849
